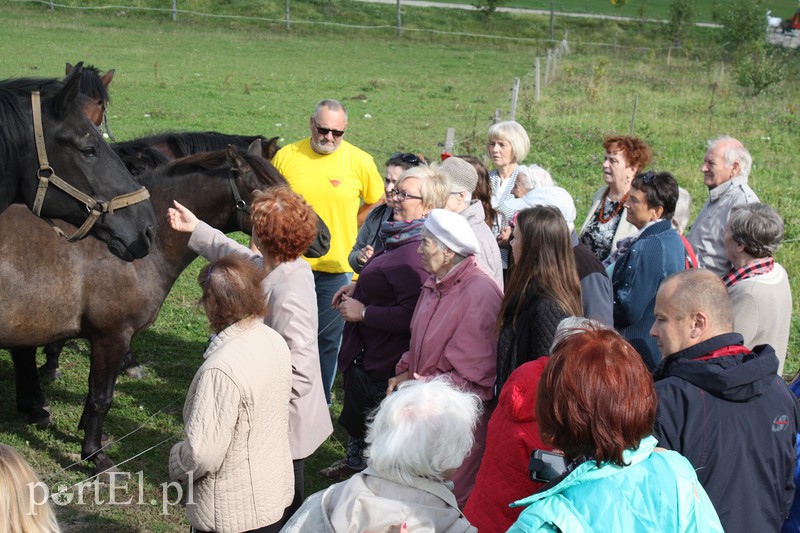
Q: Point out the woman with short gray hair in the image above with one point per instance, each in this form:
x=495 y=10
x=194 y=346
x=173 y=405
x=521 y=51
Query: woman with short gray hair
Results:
x=758 y=286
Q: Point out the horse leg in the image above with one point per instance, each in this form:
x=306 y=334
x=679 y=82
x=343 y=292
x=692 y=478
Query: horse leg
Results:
x=30 y=399
x=131 y=366
x=106 y=353
x=49 y=370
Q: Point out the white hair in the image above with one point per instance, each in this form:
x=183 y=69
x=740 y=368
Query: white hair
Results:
x=424 y=429
x=683 y=210
x=535 y=176
x=514 y=134
x=734 y=151
x=572 y=325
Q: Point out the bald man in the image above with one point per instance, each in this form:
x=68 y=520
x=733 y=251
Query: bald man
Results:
x=723 y=406
x=726 y=168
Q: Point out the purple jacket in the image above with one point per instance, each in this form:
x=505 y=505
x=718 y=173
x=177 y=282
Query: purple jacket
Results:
x=389 y=285
x=452 y=331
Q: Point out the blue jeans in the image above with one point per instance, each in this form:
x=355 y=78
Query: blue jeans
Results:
x=331 y=323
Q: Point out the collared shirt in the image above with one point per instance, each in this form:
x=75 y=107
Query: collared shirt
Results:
x=753 y=268
x=708 y=229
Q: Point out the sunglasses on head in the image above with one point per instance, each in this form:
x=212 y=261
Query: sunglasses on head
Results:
x=408 y=159
x=326 y=131
x=649 y=177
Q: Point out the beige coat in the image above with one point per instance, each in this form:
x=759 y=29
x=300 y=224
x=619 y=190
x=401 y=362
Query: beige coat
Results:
x=236 y=452
x=292 y=302
x=368 y=502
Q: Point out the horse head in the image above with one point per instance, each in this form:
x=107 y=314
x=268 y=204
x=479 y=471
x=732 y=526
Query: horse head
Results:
x=79 y=178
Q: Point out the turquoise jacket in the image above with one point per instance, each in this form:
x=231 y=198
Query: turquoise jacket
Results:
x=656 y=492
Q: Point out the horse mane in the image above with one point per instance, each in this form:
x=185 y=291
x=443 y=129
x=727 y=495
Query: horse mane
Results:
x=182 y=144
x=92 y=85
x=138 y=156
x=13 y=107
x=210 y=161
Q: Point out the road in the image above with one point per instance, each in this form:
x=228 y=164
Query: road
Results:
x=519 y=10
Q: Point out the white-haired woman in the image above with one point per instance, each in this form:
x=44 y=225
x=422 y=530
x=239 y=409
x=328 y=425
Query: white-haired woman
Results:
x=419 y=435
x=508 y=145
x=758 y=286
x=452 y=330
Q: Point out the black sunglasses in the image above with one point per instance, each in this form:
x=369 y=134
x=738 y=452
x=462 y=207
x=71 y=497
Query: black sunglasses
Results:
x=648 y=177
x=326 y=131
x=401 y=157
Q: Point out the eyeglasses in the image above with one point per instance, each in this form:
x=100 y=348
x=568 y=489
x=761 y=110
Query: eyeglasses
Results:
x=402 y=196
x=326 y=131
x=408 y=159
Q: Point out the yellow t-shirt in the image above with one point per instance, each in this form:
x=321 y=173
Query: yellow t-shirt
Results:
x=333 y=185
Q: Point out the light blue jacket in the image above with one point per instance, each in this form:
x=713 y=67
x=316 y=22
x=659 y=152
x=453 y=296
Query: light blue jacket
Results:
x=656 y=492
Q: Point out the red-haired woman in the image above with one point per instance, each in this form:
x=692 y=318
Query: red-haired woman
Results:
x=606 y=222
x=283 y=227
x=597 y=404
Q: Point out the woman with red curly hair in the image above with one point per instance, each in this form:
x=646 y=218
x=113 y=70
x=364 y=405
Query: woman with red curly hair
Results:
x=596 y=403
x=606 y=222
x=283 y=227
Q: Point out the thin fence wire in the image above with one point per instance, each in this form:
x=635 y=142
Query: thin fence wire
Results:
x=170 y=11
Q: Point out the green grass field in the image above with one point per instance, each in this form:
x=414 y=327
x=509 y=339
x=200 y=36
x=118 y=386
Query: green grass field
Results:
x=252 y=77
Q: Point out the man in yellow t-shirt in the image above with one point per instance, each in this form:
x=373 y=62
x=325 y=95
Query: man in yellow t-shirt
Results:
x=334 y=177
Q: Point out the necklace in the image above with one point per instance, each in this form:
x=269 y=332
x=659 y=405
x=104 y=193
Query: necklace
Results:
x=620 y=207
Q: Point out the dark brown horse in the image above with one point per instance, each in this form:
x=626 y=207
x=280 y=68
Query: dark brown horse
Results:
x=73 y=150
x=95 y=96
x=80 y=291
x=146 y=153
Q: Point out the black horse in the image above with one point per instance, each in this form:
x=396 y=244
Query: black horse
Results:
x=68 y=148
x=79 y=291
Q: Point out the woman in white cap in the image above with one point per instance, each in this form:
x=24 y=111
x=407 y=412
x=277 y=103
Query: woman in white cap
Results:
x=452 y=330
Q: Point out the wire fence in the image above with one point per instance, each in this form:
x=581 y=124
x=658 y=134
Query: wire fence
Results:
x=175 y=12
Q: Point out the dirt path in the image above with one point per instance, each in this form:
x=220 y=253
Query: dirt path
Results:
x=424 y=3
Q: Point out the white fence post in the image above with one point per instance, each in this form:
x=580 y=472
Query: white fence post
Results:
x=514 y=96
x=449 y=140
x=538 y=79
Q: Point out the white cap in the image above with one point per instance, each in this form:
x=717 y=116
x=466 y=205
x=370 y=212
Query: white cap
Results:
x=453 y=231
x=554 y=196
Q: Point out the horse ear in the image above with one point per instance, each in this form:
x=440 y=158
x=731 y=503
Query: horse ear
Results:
x=107 y=77
x=68 y=69
x=234 y=159
x=271 y=148
x=69 y=92
x=255 y=148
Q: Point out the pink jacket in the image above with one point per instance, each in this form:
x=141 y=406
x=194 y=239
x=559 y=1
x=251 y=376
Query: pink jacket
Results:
x=452 y=330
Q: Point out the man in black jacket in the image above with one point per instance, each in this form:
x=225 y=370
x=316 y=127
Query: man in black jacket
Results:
x=722 y=405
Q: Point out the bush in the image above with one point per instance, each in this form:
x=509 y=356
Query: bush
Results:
x=744 y=20
x=680 y=16
x=488 y=7
x=758 y=67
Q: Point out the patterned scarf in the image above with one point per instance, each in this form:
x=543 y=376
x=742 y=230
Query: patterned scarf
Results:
x=394 y=233
x=752 y=269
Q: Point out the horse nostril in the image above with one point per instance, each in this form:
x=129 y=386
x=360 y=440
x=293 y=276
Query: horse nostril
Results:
x=150 y=235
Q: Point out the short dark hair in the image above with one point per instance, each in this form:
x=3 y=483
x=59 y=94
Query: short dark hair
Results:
x=405 y=160
x=231 y=290
x=596 y=397
x=757 y=227
x=660 y=190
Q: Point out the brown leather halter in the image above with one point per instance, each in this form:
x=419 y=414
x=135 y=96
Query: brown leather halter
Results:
x=47 y=176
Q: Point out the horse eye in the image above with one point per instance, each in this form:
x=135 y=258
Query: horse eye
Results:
x=89 y=152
